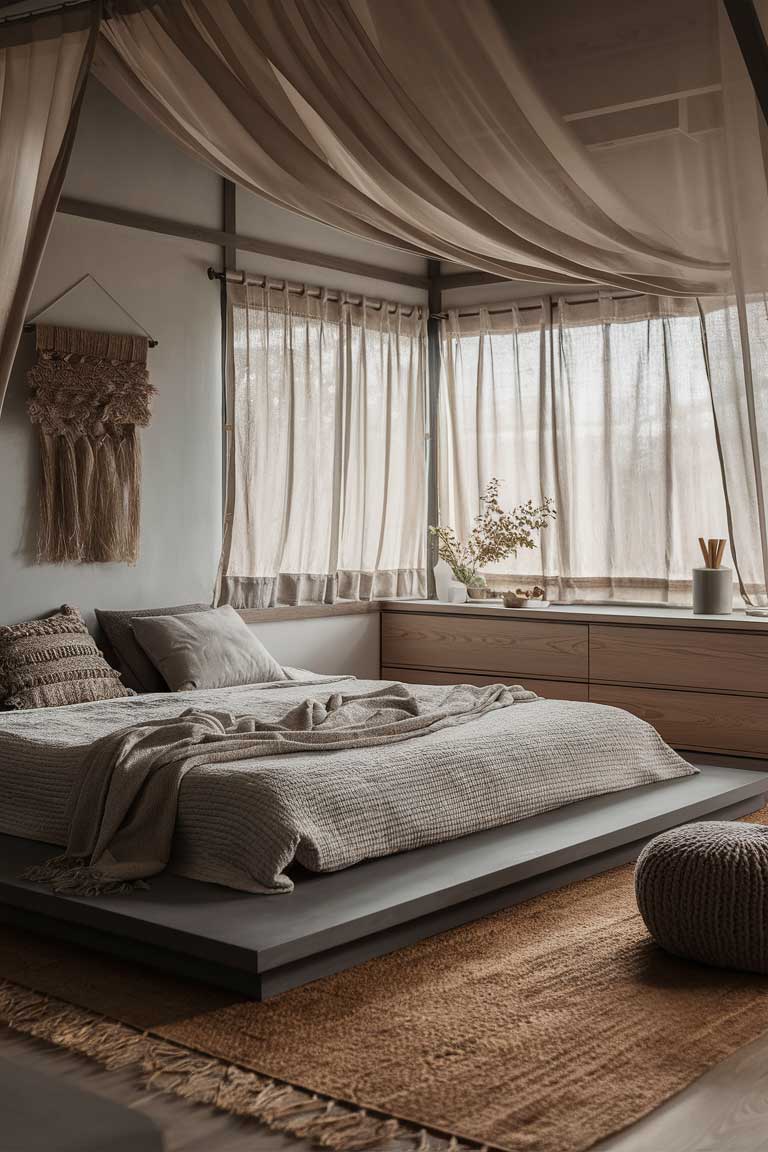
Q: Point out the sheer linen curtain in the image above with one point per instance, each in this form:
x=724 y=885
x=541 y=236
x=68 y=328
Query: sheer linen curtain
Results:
x=43 y=68
x=326 y=493
x=736 y=324
x=604 y=406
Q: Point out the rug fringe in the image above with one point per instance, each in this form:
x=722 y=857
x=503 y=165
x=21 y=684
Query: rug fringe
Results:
x=205 y=1080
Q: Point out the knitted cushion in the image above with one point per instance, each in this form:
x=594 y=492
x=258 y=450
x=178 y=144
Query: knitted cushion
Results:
x=45 y=663
x=702 y=891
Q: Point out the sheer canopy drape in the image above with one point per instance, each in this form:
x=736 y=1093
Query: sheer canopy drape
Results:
x=326 y=492
x=415 y=122
x=43 y=69
x=607 y=407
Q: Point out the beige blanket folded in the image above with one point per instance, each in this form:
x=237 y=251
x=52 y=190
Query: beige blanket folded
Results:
x=126 y=801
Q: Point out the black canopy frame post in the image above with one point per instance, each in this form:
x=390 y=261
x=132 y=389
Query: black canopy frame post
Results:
x=751 y=40
x=435 y=306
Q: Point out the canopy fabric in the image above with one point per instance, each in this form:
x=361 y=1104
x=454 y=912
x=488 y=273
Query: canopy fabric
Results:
x=415 y=122
x=43 y=68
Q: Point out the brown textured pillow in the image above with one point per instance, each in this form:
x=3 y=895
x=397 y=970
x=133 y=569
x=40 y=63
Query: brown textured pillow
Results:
x=45 y=663
x=130 y=659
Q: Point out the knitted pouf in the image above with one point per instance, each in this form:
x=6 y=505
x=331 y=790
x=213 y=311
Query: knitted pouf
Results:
x=702 y=891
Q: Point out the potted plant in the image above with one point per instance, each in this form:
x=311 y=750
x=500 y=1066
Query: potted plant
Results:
x=495 y=535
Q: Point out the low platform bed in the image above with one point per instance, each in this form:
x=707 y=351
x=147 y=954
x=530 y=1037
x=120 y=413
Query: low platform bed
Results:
x=239 y=786
x=260 y=946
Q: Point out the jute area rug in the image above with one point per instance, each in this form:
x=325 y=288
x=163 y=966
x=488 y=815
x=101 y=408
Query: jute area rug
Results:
x=546 y=1027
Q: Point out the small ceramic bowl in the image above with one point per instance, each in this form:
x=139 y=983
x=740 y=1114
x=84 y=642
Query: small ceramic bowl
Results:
x=477 y=592
x=512 y=600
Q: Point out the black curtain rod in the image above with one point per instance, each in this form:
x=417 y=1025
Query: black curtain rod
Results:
x=536 y=307
x=298 y=289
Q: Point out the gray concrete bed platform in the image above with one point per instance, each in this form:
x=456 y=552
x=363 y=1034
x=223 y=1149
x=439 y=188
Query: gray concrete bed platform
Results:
x=262 y=945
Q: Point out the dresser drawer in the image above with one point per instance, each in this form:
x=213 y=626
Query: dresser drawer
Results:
x=550 y=689
x=491 y=645
x=679 y=657
x=696 y=720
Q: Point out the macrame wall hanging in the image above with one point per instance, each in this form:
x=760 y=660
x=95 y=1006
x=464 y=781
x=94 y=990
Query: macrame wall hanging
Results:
x=90 y=394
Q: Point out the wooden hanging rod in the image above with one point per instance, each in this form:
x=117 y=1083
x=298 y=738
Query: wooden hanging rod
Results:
x=127 y=218
x=233 y=277
x=30 y=327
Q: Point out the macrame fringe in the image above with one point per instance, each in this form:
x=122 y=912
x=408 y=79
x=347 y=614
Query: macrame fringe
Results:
x=74 y=876
x=202 y=1080
x=90 y=498
x=90 y=393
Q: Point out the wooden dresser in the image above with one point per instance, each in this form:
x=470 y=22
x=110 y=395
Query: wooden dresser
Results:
x=701 y=681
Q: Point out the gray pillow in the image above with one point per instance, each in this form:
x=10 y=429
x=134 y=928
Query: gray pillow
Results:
x=213 y=649
x=136 y=669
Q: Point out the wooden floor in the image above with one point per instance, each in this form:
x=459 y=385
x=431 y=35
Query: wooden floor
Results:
x=725 y=1111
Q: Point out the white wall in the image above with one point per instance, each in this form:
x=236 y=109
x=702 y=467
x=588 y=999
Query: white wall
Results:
x=344 y=644
x=162 y=283
x=117 y=160
x=257 y=217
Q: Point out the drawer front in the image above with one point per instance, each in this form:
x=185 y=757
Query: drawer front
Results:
x=680 y=658
x=549 y=689
x=696 y=720
x=492 y=645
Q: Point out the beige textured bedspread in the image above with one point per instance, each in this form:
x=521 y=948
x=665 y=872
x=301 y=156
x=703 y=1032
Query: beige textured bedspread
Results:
x=242 y=822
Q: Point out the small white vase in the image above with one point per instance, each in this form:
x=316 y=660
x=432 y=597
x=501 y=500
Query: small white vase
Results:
x=457 y=593
x=447 y=587
x=443 y=579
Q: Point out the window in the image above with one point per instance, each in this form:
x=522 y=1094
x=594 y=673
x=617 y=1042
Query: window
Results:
x=326 y=486
x=606 y=407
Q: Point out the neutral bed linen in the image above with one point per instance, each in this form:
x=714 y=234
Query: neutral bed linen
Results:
x=241 y=824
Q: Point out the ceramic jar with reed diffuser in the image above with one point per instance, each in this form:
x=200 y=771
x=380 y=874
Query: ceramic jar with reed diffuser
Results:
x=713 y=584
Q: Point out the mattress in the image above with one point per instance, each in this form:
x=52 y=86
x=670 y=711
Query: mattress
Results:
x=330 y=809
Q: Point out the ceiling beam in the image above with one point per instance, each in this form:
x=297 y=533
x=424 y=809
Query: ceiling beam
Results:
x=127 y=218
x=647 y=102
x=466 y=280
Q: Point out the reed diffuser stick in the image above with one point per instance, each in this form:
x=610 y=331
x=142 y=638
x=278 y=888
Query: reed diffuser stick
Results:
x=720 y=551
x=704 y=552
x=712 y=550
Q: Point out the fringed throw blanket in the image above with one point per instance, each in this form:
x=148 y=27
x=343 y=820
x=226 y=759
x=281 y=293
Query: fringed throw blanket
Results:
x=90 y=392
x=125 y=808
